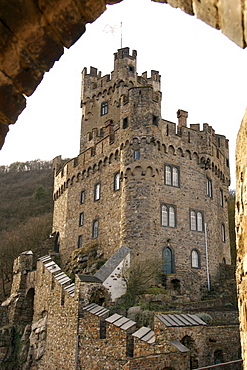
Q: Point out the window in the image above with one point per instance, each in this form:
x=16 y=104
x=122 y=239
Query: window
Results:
x=95 y=231
x=117 y=181
x=82 y=199
x=104 y=108
x=131 y=68
x=155 y=120
x=168 y=261
x=195 y=259
x=223 y=233
x=137 y=154
x=209 y=188
x=221 y=198
x=196 y=220
x=81 y=219
x=79 y=242
x=171 y=175
x=97 y=192
x=168 y=215
x=125 y=122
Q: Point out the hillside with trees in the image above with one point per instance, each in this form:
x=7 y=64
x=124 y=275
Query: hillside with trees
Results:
x=25 y=214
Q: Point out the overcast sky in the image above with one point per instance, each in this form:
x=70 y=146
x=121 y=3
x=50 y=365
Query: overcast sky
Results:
x=201 y=70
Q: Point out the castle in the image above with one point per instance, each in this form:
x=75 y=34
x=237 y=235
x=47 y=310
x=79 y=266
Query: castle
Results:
x=141 y=188
x=142 y=182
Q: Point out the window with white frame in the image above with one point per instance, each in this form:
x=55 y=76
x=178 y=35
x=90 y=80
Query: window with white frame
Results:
x=95 y=230
x=117 y=181
x=195 y=259
x=196 y=220
x=221 y=198
x=209 y=188
x=171 y=175
x=223 y=233
x=104 y=108
x=168 y=215
x=97 y=191
x=81 y=219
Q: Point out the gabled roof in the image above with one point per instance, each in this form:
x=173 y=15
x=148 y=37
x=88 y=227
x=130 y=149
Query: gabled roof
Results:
x=107 y=269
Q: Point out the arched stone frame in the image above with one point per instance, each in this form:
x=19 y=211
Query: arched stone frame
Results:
x=170 y=265
x=195 y=259
x=189 y=342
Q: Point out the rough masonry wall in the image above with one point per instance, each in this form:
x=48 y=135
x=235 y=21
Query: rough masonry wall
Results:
x=241 y=232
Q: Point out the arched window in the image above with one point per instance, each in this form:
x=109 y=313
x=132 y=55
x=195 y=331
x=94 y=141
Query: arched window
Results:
x=192 y=220
x=95 y=231
x=196 y=220
x=195 y=259
x=168 y=175
x=175 y=176
x=199 y=221
x=168 y=261
x=171 y=217
x=168 y=215
x=164 y=216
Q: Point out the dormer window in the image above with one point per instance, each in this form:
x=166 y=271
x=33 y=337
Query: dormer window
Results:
x=104 y=108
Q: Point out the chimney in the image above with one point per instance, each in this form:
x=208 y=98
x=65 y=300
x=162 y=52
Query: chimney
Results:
x=182 y=117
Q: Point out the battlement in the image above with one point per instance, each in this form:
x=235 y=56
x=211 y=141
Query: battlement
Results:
x=124 y=53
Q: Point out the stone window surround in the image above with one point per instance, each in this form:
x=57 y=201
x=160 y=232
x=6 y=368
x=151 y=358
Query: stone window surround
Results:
x=197 y=212
x=79 y=242
x=97 y=191
x=172 y=181
x=168 y=206
x=197 y=265
x=223 y=232
x=116 y=184
x=136 y=154
x=82 y=198
x=104 y=108
x=95 y=228
x=221 y=198
x=209 y=187
x=81 y=219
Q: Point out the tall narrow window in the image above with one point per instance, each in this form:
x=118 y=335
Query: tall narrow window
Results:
x=155 y=120
x=79 y=242
x=168 y=261
x=95 y=230
x=82 y=199
x=125 y=122
x=195 y=259
x=164 y=215
x=192 y=220
x=174 y=176
x=168 y=215
x=223 y=233
x=196 y=220
x=117 y=181
x=137 y=154
x=97 y=192
x=199 y=221
x=104 y=108
x=171 y=175
x=209 y=188
x=221 y=198
x=81 y=219
x=168 y=175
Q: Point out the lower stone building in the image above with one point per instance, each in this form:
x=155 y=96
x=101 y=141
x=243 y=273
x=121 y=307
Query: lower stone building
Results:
x=54 y=323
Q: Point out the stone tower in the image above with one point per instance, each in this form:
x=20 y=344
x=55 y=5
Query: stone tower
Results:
x=156 y=187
